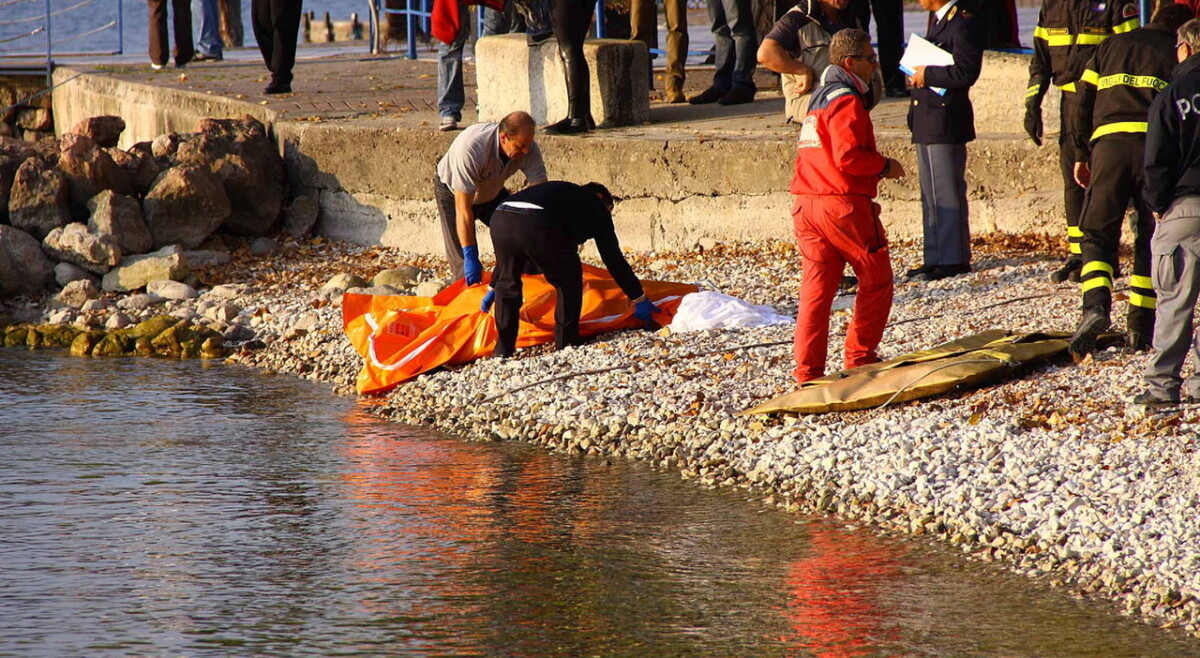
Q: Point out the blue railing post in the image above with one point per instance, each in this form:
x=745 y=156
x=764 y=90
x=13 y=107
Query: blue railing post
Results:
x=1144 y=10
x=600 y=19
x=121 y=27
x=49 y=41
x=410 y=28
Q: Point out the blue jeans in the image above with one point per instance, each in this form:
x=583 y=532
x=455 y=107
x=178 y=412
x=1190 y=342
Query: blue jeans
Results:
x=736 y=41
x=451 y=95
x=209 y=17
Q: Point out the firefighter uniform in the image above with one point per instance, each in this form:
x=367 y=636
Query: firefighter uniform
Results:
x=1115 y=92
x=1067 y=34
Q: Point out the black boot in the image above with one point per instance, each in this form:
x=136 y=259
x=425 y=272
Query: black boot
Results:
x=1068 y=272
x=567 y=126
x=1095 y=322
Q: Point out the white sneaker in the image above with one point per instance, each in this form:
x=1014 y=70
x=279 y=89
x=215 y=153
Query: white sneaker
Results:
x=156 y=67
x=448 y=124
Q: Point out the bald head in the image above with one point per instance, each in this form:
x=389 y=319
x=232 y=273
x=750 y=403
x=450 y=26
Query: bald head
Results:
x=516 y=123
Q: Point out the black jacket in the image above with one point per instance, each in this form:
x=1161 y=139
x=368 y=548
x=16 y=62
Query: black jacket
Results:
x=949 y=119
x=1173 y=139
x=1119 y=84
x=584 y=217
x=1067 y=34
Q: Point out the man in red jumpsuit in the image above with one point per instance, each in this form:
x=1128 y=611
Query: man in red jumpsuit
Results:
x=838 y=170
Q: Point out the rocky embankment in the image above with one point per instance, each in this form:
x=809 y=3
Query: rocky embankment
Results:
x=1049 y=473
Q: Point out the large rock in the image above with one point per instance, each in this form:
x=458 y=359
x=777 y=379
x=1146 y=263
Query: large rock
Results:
x=35 y=118
x=168 y=289
x=89 y=170
x=186 y=204
x=250 y=168
x=74 y=243
x=8 y=174
x=39 y=202
x=120 y=217
x=142 y=168
x=65 y=273
x=301 y=216
x=135 y=272
x=76 y=293
x=164 y=146
x=405 y=276
x=24 y=267
x=104 y=130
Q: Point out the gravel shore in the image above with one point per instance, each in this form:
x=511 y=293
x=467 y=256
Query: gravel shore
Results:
x=1052 y=473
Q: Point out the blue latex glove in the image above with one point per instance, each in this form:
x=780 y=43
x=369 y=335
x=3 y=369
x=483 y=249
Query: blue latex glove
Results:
x=472 y=268
x=645 y=310
x=486 y=304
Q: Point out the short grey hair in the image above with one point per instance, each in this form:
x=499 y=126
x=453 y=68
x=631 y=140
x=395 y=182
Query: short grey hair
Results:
x=1189 y=33
x=847 y=43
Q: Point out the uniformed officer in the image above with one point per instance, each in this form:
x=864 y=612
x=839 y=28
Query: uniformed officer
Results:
x=1067 y=33
x=545 y=225
x=1115 y=92
x=942 y=121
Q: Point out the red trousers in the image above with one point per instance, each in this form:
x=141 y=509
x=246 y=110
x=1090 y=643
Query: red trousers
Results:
x=833 y=231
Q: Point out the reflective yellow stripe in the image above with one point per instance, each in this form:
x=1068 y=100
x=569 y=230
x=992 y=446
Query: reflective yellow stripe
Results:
x=1090 y=76
x=1142 y=300
x=1120 y=127
x=1070 y=86
x=1097 y=266
x=1075 y=248
x=1074 y=232
x=1032 y=91
x=1128 y=26
x=1092 y=39
x=1098 y=282
x=1054 y=37
x=1144 y=282
x=1140 y=81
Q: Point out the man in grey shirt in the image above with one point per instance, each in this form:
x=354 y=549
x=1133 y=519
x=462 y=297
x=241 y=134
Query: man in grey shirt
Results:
x=470 y=183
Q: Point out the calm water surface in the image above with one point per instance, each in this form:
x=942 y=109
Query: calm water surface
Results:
x=152 y=507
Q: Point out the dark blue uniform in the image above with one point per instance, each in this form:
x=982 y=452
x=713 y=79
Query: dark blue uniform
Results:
x=941 y=126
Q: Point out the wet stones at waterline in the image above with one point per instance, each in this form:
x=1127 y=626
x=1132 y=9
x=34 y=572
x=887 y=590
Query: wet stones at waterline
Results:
x=162 y=336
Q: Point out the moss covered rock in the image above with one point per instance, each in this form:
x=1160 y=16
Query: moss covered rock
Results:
x=213 y=347
x=154 y=326
x=85 y=342
x=113 y=344
x=16 y=336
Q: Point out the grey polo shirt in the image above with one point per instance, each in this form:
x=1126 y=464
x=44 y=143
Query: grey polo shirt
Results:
x=473 y=163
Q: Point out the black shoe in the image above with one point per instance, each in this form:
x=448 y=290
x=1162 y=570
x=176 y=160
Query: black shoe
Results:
x=205 y=57
x=278 y=88
x=1151 y=399
x=567 y=127
x=710 y=95
x=738 y=95
x=1069 y=271
x=946 y=271
x=1138 y=342
x=919 y=271
x=1095 y=322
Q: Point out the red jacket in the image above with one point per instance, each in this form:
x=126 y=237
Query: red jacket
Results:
x=1194 y=4
x=836 y=149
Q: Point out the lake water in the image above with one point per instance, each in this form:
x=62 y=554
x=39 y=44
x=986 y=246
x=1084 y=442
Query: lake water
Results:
x=153 y=507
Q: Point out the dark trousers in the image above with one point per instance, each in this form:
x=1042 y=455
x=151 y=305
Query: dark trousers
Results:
x=445 y=203
x=944 y=211
x=571 y=20
x=181 y=23
x=889 y=33
x=1068 y=155
x=1117 y=177
x=276 y=27
x=519 y=238
x=231 y=23
x=736 y=42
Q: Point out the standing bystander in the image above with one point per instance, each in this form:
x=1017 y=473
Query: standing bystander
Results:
x=182 y=25
x=276 y=27
x=643 y=19
x=736 y=45
x=838 y=169
x=232 y=31
x=208 y=45
x=1173 y=194
x=889 y=33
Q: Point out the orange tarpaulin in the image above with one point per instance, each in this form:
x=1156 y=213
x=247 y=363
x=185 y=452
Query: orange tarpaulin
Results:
x=401 y=337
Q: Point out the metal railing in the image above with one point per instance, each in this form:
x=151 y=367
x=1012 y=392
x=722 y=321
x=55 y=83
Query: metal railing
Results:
x=17 y=29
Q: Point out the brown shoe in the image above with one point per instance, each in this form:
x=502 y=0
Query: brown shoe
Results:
x=674 y=94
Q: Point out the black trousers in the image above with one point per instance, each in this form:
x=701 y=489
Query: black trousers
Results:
x=571 y=20
x=1068 y=155
x=522 y=236
x=1117 y=177
x=181 y=22
x=445 y=203
x=889 y=33
x=276 y=27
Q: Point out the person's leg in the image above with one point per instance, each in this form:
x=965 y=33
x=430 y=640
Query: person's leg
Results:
x=1176 y=276
x=740 y=17
x=860 y=240
x=643 y=22
x=496 y=22
x=675 y=12
x=564 y=271
x=889 y=33
x=264 y=31
x=208 y=28
x=444 y=197
x=451 y=94
x=1108 y=198
x=724 y=58
x=571 y=19
x=232 y=30
x=508 y=239
x=1073 y=194
x=159 y=46
x=822 y=267
x=1142 y=302
x=946 y=164
x=929 y=208
x=286 y=20
x=181 y=21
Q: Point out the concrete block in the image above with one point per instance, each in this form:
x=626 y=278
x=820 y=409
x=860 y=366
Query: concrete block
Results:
x=515 y=76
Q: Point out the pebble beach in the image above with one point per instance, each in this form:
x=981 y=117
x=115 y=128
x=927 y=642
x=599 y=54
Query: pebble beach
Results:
x=1051 y=473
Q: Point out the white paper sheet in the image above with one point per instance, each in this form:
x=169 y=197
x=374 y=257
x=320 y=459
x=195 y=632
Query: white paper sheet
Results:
x=922 y=52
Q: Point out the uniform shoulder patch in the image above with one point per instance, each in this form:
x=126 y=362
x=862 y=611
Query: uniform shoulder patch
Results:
x=953 y=12
x=1129 y=11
